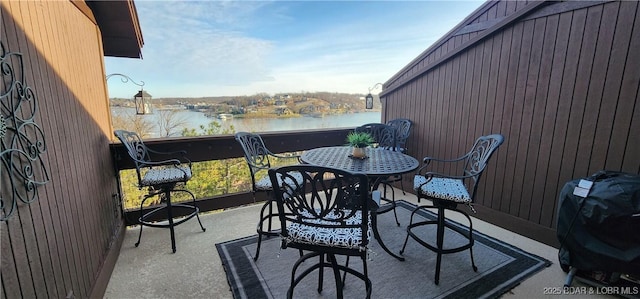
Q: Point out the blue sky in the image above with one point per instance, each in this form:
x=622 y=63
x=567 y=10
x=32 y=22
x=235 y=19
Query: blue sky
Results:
x=234 y=48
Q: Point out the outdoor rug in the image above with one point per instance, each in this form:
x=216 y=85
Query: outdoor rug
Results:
x=500 y=266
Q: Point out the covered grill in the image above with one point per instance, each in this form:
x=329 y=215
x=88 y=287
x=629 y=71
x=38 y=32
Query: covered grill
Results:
x=599 y=227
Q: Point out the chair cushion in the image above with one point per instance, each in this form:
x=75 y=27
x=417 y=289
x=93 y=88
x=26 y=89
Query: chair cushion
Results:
x=157 y=176
x=398 y=149
x=264 y=184
x=442 y=188
x=341 y=237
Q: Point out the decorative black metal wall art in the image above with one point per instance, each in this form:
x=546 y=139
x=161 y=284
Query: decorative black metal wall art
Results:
x=22 y=169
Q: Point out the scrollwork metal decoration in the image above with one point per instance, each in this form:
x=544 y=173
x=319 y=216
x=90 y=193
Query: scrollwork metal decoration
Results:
x=22 y=169
x=374 y=87
x=124 y=79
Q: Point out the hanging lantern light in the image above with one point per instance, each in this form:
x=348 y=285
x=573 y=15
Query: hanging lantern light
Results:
x=369 y=97
x=369 y=101
x=142 y=101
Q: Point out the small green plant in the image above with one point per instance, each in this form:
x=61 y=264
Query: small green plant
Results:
x=359 y=139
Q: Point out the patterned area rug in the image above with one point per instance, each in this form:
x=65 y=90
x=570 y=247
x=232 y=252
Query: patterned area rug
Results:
x=500 y=266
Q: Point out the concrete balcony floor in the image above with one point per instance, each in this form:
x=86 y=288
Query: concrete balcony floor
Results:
x=195 y=270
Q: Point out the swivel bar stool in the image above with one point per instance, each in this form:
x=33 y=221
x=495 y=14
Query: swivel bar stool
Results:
x=161 y=177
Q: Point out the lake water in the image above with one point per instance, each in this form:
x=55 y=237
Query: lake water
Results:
x=196 y=119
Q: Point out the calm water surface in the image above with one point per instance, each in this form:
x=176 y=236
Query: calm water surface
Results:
x=196 y=119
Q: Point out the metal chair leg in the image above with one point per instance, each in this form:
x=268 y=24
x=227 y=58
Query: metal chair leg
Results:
x=260 y=228
x=321 y=274
x=402 y=186
x=165 y=197
x=170 y=218
x=441 y=226
x=193 y=200
x=255 y=258
x=439 y=243
x=392 y=201
x=336 y=275
x=141 y=218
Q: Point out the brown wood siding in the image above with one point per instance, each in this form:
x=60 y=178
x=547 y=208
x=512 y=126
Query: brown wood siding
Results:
x=561 y=83
x=485 y=17
x=56 y=246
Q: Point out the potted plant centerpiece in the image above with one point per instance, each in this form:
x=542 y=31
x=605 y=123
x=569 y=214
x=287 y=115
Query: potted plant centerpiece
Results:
x=359 y=140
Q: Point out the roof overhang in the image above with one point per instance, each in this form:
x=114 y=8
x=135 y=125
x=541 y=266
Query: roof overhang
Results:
x=120 y=28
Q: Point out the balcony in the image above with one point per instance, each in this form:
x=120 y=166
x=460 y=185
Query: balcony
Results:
x=544 y=72
x=195 y=270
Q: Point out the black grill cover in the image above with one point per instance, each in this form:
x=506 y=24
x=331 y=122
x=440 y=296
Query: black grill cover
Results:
x=602 y=231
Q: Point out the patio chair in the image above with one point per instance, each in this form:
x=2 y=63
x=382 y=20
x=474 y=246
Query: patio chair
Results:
x=161 y=178
x=447 y=192
x=403 y=130
x=330 y=216
x=258 y=158
x=384 y=137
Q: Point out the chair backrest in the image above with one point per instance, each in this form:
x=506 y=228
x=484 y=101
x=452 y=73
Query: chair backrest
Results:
x=475 y=161
x=135 y=148
x=324 y=197
x=134 y=145
x=403 y=130
x=384 y=135
x=255 y=153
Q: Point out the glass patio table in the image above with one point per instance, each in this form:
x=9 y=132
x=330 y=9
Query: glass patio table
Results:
x=379 y=164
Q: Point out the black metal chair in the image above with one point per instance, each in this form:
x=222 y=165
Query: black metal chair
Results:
x=329 y=216
x=385 y=137
x=448 y=191
x=403 y=131
x=258 y=158
x=161 y=177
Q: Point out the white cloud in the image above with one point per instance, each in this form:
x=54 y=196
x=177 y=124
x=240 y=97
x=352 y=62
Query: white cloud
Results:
x=208 y=48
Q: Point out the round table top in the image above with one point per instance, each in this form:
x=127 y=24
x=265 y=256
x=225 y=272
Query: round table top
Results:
x=379 y=161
